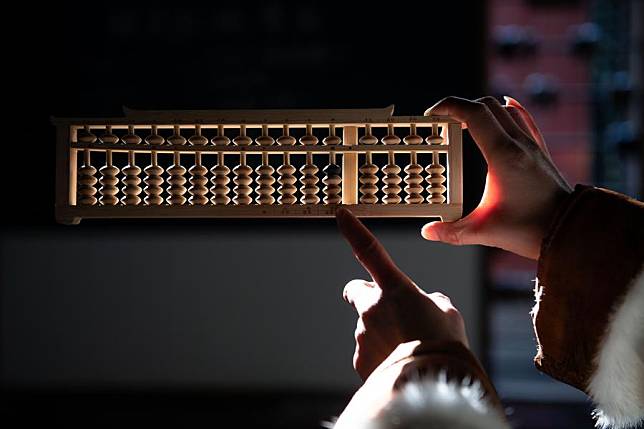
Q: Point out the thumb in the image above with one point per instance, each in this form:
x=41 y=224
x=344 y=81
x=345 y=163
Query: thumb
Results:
x=447 y=232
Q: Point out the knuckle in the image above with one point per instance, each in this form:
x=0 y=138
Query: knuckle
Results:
x=489 y=100
x=346 y=291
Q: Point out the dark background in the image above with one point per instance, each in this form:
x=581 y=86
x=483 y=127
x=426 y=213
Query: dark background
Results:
x=131 y=323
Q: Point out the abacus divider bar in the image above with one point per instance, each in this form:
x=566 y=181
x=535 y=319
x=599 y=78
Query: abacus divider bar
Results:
x=455 y=166
x=350 y=167
x=230 y=149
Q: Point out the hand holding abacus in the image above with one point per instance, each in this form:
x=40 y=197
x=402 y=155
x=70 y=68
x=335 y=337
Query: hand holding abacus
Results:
x=392 y=309
x=523 y=186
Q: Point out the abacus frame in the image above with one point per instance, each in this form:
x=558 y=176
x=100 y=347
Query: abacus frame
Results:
x=67 y=210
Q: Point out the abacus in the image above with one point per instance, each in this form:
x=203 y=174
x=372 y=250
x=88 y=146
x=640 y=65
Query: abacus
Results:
x=258 y=163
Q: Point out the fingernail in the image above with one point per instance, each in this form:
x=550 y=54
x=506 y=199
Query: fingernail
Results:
x=509 y=101
x=428 y=232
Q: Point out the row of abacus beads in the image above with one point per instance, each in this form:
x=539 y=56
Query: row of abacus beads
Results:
x=413 y=181
x=242 y=139
x=265 y=181
x=198 y=190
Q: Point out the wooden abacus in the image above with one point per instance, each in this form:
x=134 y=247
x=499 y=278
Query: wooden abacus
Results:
x=349 y=142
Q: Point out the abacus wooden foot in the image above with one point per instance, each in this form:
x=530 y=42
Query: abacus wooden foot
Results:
x=337 y=161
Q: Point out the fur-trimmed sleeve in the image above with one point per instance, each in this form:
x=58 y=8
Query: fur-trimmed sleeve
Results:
x=425 y=384
x=589 y=315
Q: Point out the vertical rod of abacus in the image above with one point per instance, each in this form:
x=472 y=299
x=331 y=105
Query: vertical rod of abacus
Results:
x=220 y=158
x=454 y=167
x=350 y=166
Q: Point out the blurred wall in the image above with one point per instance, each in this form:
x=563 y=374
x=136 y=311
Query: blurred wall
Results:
x=243 y=306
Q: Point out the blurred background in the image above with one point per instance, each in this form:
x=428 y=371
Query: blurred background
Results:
x=197 y=322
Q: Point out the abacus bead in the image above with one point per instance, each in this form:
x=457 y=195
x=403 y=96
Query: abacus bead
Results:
x=177 y=139
x=220 y=140
x=220 y=180
x=309 y=139
x=368 y=180
x=435 y=180
x=332 y=180
x=242 y=180
x=154 y=139
x=391 y=139
x=131 y=190
x=265 y=140
x=85 y=136
x=265 y=181
x=109 y=181
x=368 y=139
x=332 y=170
x=198 y=182
x=86 y=182
x=413 y=180
x=434 y=139
x=309 y=180
x=242 y=140
x=331 y=140
x=131 y=138
x=108 y=138
x=86 y=173
x=176 y=188
x=286 y=140
x=392 y=181
x=413 y=139
x=153 y=190
x=287 y=181
x=198 y=140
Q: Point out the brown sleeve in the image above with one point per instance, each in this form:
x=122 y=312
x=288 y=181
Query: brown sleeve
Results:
x=589 y=258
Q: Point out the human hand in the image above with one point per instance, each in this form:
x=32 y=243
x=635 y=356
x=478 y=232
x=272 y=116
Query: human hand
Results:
x=523 y=186
x=391 y=308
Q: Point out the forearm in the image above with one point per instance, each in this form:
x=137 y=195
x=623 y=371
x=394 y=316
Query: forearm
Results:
x=437 y=382
x=587 y=280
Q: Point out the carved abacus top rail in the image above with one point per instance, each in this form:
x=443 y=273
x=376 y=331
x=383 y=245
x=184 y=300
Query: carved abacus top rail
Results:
x=285 y=146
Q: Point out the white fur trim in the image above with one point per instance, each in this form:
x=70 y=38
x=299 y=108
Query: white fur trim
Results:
x=438 y=403
x=617 y=386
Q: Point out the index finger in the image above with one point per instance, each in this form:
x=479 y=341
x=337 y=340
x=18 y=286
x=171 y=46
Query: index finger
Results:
x=371 y=254
x=488 y=134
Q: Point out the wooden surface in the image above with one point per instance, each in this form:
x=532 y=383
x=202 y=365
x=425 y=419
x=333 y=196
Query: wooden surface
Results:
x=444 y=211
